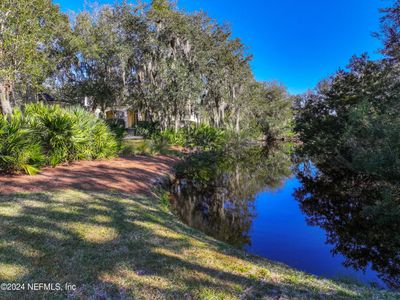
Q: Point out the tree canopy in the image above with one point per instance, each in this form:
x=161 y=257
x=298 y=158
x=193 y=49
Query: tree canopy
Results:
x=350 y=133
x=32 y=36
x=172 y=66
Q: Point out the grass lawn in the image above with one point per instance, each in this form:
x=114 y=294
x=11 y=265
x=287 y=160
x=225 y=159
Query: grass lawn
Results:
x=117 y=246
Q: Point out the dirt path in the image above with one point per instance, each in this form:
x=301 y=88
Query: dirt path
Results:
x=129 y=175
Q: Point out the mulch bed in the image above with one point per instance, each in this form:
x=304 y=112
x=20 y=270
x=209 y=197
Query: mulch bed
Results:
x=128 y=175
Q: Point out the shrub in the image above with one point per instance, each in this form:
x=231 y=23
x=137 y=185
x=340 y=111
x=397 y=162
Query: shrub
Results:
x=70 y=134
x=160 y=146
x=144 y=148
x=55 y=129
x=99 y=141
x=117 y=126
x=172 y=137
x=146 y=128
x=204 y=137
x=137 y=147
x=51 y=135
x=18 y=149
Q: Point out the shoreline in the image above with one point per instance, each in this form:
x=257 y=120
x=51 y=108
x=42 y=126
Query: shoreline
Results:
x=134 y=241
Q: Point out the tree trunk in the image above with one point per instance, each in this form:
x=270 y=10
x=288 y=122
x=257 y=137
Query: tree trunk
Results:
x=216 y=117
x=177 y=121
x=238 y=120
x=222 y=112
x=124 y=87
x=5 y=99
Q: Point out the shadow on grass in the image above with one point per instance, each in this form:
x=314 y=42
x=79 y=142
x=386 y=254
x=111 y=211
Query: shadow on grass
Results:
x=118 y=246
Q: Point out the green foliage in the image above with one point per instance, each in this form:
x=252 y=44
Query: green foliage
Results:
x=99 y=141
x=204 y=137
x=117 y=126
x=70 y=134
x=146 y=129
x=145 y=147
x=138 y=147
x=171 y=136
x=160 y=5
x=390 y=33
x=33 y=33
x=150 y=147
x=353 y=117
x=350 y=130
x=172 y=66
x=273 y=114
x=56 y=131
x=372 y=136
x=51 y=135
x=19 y=151
x=164 y=198
x=198 y=137
x=160 y=146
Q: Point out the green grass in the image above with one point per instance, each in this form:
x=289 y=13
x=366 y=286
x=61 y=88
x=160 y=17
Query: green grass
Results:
x=116 y=246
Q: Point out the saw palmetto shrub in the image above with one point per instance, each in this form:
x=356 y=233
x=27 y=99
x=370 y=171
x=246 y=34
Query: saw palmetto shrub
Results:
x=69 y=134
x=55 y=129
x=204 y=137
x=19 y=150
x=50 y=135
x=99 y=140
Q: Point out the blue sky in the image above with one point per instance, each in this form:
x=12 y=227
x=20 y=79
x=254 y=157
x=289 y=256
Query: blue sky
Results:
x=295 y=42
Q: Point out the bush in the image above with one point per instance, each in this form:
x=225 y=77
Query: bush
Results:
x=146 y=129
x=204 y=137
x=70 y=134
x=99 y=141
x=117 y=126
x=171 y=137
x=18 y=149
x=49 y=135
x=146 y=147
x=160 y=146
x=54 y=128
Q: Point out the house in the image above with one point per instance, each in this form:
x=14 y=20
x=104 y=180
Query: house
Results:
x=129 y=116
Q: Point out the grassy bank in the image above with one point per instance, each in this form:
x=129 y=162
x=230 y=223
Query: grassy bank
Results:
x=118 y=246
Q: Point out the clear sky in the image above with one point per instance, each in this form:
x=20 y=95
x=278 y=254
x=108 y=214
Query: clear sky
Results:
x=296 y=42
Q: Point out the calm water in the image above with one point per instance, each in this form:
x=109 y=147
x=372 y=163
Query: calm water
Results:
x=248 y=199
x=280 y=232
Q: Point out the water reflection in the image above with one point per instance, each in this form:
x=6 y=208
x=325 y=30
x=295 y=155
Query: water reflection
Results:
x=222 y=194
x=215 y=192
x=360 y=221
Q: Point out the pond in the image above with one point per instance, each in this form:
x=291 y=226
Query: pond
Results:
x=258 y=200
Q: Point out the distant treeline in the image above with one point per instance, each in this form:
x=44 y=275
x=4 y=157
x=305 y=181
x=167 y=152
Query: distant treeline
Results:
x=171 y=66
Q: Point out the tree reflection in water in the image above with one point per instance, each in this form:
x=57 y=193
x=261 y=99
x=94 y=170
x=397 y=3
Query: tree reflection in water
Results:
x=215 y=191
x=360 y=215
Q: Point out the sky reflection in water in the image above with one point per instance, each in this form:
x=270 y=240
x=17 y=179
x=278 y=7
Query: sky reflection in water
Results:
x=247 y=199
x=280 y=232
